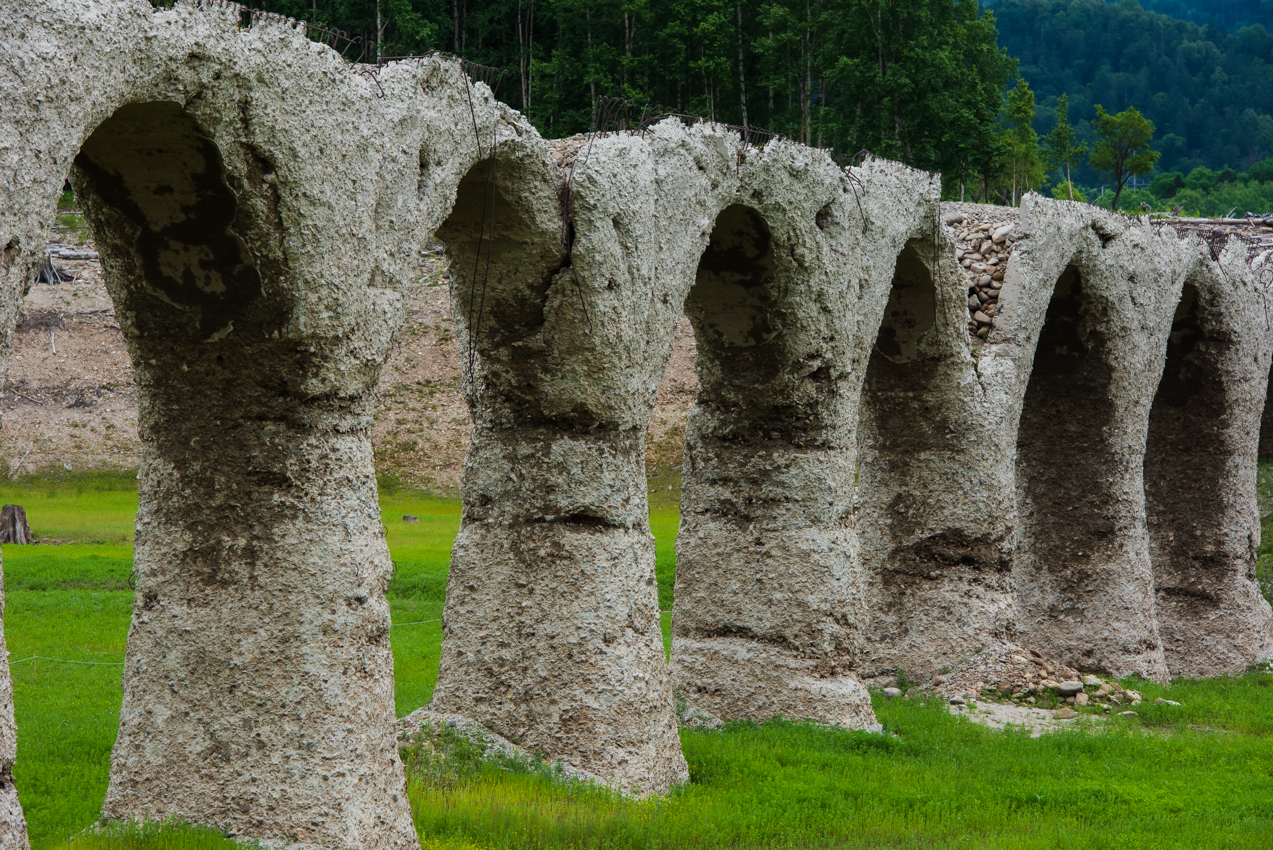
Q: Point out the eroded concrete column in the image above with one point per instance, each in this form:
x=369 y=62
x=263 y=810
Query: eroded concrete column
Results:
x=13 y=826
x=1077 y=348
x=258 y=685
x=771 y=600
x=1200 y=471
x=934 y=479
x=259 y=209
x=551 y=626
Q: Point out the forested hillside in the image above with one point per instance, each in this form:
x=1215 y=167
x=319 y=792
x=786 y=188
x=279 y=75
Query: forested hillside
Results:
x=934 y=83
x=1232 y=14
x=920 y=81
x=1207 y=89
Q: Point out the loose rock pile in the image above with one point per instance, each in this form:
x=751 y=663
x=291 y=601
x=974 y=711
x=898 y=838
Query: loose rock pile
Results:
x=985 y=239
x=1011 y=673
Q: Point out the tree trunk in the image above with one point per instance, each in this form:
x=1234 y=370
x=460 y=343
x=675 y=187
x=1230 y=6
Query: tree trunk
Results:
x=49 y=273
x=13 y=525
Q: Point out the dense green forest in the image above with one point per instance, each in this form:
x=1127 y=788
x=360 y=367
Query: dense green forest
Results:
x=1232 y=14
x=920 y=81
x=1208 y=90
x=966 y=88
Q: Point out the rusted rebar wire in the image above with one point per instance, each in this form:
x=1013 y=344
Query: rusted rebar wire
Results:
x=488 y=202
x=338 y=40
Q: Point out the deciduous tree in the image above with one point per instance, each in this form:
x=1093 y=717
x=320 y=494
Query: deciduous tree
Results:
x=1061 y=146
x=1122 y=148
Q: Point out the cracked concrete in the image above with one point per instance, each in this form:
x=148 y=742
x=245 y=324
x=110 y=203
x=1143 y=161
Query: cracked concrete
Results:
x=1078 y=346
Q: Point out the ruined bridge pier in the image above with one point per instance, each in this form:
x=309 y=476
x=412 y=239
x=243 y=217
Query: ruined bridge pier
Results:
x=258 y=209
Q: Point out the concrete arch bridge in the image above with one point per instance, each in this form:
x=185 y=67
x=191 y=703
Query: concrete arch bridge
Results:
x=866 y=485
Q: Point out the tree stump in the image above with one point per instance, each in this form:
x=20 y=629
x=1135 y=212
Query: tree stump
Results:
x=13 y=525
x=50 y=273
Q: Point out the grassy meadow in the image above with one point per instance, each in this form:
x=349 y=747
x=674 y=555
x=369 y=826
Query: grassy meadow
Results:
x=1196 y=776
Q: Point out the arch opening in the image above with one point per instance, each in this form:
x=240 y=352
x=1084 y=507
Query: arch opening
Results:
x=763 y=565
x=734 y=307
x=1185 y=452
x=1066 y=473
x=939 y=576
x=493 y=244
x=1211 y=615
x=909 y=316
x=156 y=186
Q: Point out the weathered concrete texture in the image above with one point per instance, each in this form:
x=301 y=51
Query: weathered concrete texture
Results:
x=258 y=209
x=1200 y=468
x=935 y=495
x=551 y=626
x=1077 y=348
x=787 y=293
x=13 y=827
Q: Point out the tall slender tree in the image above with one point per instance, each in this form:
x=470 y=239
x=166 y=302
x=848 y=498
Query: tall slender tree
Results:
x=1122 y=148
x=1025 y=161
x=1061 y=145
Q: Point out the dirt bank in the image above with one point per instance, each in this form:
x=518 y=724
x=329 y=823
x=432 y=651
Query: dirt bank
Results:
x=69 y=399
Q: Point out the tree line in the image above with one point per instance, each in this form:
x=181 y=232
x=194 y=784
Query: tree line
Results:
x=927 y=82
x=921 y=81
x=1207 y=88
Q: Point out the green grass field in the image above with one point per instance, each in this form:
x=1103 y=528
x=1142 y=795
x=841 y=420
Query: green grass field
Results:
x=1198 y=776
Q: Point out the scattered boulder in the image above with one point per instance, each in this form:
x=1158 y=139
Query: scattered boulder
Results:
x=1008 y=673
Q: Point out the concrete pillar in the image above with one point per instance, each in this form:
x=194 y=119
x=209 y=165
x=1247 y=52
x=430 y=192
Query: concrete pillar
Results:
x=258 y=683
x=771 y=597
x=551 y=627
x=1200 y=472
x=1077 y=348
x=259 y=208
x=767 y=577
x=13 y=827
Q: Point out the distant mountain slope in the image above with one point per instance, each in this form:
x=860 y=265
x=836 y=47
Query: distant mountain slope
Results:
x=1208 y=89
x=1231 y=14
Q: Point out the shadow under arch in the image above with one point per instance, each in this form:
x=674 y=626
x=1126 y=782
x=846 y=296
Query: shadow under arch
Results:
x=259 y=556
x=1067 y=539
x=1200 y=447
x=940 y=569
x=764 y=550
x=504 y=256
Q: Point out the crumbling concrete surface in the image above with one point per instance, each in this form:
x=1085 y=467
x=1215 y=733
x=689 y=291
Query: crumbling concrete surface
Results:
x=551 y=627
x=1076 y=348
x=258 y=209
x=1078 y=345
x=785 y=296
x=13 y=827
x=1200 y=469
x=935 y=505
